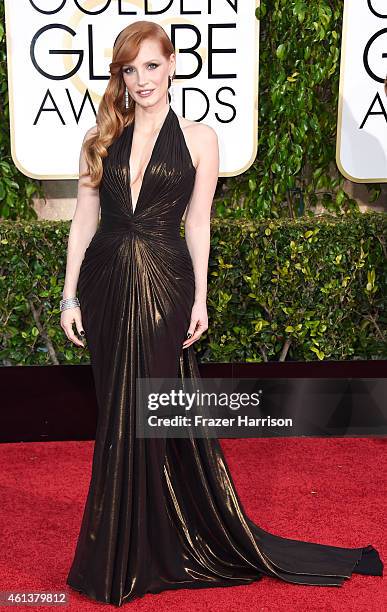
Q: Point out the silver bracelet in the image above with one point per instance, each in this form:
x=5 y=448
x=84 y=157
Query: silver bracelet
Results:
x=71 y=302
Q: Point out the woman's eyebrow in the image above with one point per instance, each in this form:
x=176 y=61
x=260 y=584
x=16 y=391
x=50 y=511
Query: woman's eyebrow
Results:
x=147 y=62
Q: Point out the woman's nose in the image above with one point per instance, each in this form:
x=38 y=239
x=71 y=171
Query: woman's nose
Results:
x=141 y=79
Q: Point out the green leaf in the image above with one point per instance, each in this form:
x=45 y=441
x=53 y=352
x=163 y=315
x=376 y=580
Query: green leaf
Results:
x=280 y=51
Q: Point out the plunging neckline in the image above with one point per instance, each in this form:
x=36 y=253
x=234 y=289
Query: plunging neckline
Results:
x=132 y=125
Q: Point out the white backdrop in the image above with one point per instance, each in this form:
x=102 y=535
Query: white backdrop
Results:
x=58 y=67
x=361 y=152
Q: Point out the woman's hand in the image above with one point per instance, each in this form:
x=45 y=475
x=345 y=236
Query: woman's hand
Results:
x=199 y=323
x=68 y=317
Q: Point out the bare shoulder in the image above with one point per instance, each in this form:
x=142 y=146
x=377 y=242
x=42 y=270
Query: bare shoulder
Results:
x=83 y=166
x=199 y=136
x=198 y=129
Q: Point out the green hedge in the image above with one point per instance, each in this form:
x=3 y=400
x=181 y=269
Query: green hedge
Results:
x=307 y=289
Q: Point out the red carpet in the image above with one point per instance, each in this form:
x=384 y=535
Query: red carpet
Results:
x=329 y=491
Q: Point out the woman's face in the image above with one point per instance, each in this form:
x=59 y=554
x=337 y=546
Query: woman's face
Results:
x=148 y=73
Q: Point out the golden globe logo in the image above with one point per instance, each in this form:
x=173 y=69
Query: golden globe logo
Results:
x=58 y=52
x=361 y=150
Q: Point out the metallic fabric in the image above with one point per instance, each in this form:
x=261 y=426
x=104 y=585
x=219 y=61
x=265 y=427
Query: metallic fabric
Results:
x=163 y=513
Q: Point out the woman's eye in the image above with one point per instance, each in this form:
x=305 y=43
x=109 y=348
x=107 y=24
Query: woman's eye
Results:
x=129 y=69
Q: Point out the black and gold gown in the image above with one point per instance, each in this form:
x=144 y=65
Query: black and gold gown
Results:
x=163 y=513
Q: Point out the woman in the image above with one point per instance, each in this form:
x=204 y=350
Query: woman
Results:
x=160 y=514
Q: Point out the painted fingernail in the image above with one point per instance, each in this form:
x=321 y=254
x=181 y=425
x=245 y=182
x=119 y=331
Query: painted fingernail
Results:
x=189 y=335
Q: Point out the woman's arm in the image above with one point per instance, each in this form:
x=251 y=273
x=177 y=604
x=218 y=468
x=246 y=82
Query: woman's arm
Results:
x=197 y=224
x=83 y=227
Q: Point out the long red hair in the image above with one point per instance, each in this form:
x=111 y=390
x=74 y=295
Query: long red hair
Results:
x=112 y=116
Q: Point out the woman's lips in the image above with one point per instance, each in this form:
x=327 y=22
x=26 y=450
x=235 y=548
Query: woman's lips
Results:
x=145 y=93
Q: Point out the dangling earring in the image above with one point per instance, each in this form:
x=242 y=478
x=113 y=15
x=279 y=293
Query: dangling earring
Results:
x=169 y=95
x=126 y=98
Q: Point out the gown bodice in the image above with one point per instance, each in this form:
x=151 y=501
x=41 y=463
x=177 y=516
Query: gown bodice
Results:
x=166 y=187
